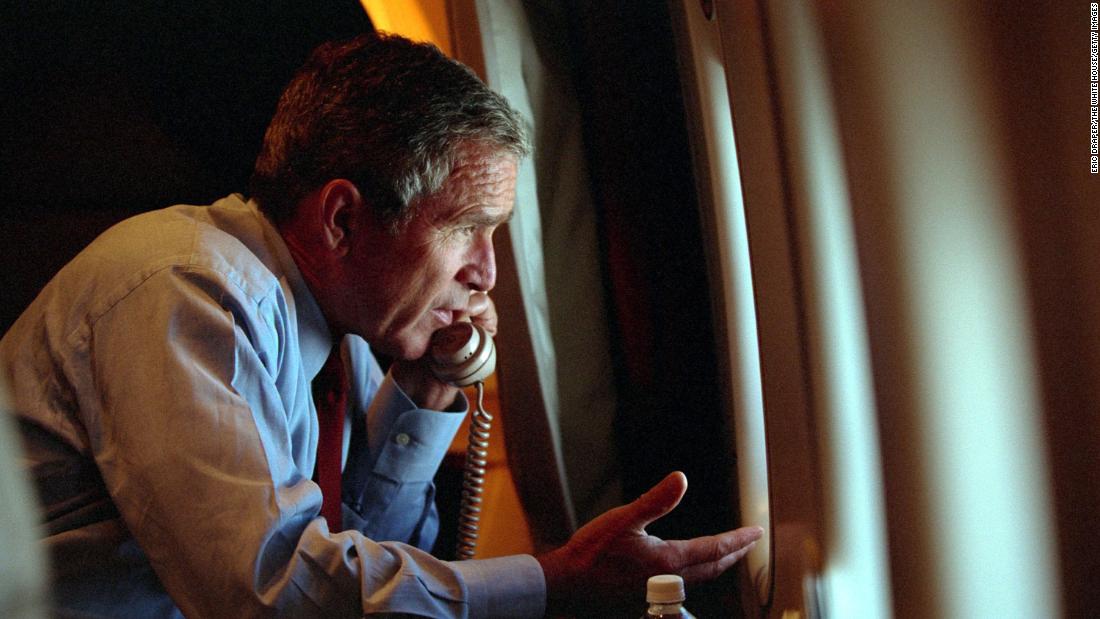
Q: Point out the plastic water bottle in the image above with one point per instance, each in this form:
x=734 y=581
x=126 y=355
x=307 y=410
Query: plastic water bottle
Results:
x=665 y=595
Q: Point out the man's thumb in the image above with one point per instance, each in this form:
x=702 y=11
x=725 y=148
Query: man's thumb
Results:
x=658 y=501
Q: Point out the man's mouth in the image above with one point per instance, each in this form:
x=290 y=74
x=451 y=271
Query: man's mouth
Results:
x=444 y=316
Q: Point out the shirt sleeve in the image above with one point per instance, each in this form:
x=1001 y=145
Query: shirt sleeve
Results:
x=200 y=439
x=394 y=453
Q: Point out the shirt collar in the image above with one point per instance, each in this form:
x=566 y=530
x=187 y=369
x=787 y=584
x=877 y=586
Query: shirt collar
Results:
x=314 y=338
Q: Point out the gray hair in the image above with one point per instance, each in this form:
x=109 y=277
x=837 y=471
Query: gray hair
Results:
x=384 y=112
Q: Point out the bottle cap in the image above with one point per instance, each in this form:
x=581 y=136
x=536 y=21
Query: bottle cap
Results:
x=665 y=589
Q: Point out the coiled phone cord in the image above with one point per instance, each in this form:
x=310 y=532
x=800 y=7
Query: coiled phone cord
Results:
x=473 y=478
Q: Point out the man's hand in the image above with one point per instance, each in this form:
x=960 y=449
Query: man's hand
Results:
x=482 y=312
x=612 y=556
x=415 y=377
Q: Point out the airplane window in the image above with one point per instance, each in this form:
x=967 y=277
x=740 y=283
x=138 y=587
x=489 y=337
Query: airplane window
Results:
x=731 y=262
x=798 y=369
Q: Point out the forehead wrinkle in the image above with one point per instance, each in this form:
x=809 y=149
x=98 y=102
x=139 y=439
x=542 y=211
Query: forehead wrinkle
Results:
x=475 y=190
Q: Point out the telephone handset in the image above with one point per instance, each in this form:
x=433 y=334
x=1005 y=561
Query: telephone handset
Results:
x=464 y=354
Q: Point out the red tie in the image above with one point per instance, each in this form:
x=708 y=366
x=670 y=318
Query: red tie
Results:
x=330 y=395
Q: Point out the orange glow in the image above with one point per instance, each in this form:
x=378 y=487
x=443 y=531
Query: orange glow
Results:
x=419 y=20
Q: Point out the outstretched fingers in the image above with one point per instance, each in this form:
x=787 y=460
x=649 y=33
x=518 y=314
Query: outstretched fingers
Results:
x=705 y=558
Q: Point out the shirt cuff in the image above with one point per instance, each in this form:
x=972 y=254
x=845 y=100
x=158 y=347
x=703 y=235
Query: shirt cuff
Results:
x=512 y=586
x=407 y=443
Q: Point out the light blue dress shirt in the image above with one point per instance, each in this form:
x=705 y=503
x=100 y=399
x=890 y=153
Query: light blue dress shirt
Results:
x=162 y=383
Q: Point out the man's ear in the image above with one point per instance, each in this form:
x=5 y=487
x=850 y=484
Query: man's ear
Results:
x=341 y=207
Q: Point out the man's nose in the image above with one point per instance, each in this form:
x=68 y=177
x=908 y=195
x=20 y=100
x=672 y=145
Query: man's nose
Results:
x=480 y=273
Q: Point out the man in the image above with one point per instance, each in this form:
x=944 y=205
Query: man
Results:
x=163 y=377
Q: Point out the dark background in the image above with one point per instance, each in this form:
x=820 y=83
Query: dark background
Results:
x=110 y=109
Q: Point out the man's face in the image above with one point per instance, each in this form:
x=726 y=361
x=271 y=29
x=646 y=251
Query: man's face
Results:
x=403 y=287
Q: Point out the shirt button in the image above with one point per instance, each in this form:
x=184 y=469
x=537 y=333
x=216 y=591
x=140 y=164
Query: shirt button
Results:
x=402 y=439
